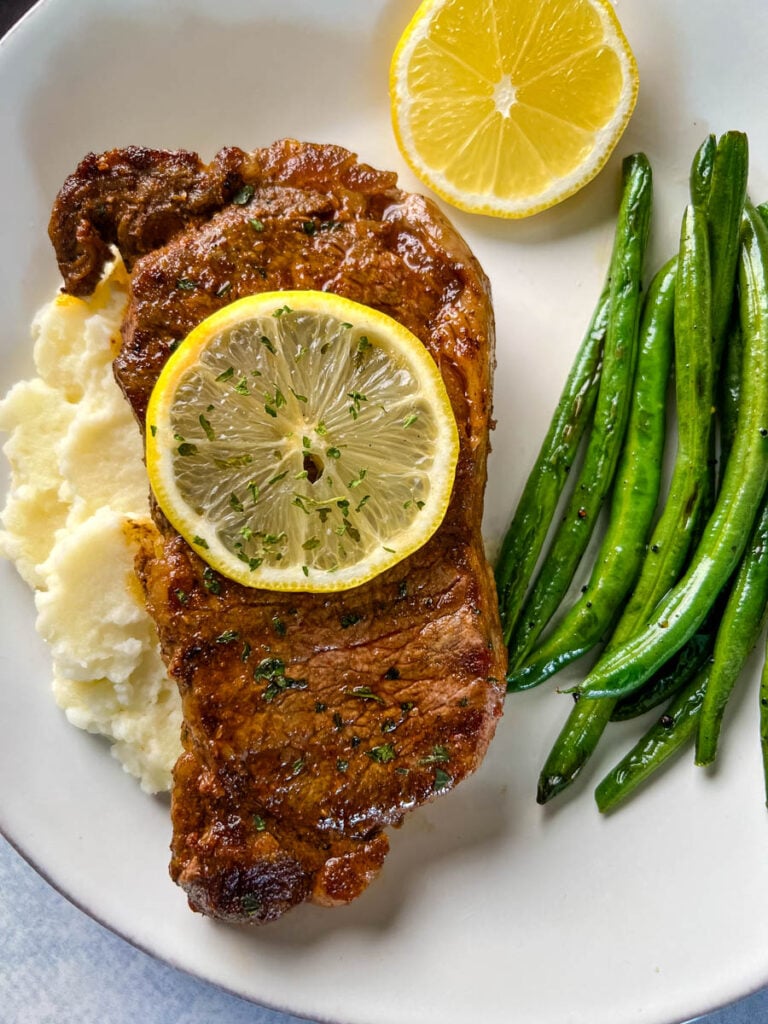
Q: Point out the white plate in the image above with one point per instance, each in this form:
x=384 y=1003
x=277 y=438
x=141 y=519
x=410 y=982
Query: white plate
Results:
x=489 y=908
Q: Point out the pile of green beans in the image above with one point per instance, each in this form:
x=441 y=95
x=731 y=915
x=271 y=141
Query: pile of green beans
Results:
x=677 y=594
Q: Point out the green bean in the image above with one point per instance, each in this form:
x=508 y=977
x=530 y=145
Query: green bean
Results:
x=701 y=171
x=698 y=709
x=730 y=391
x=611 y=410
x=525 y=537
x=635 y=495
x=665 y=738
x=671 y=538
x=687 y=604
x=574 y=746
x=742 y=623
x=672 y=676
x=725 y=203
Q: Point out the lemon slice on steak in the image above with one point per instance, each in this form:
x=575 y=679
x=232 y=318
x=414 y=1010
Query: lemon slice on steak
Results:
x=301 y=441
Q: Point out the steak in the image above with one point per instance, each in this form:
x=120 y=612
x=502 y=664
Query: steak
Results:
x=311 y=721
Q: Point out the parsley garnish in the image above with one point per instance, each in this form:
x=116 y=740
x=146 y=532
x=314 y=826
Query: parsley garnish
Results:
x=272 y=671
x=366 y=693
x=206 y=425
x=250 y=903
x=210 y=580
x=383 y=753
x=243 y=196
x=439 y=755
x=227 y=637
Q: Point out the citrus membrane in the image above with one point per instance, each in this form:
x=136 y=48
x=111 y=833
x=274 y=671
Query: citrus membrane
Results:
x=506 y=107
x=301 y=441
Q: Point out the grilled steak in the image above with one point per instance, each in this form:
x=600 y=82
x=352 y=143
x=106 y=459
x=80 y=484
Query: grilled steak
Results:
x=311 y=721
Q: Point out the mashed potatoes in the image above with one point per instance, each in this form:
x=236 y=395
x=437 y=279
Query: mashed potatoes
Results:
x=72 y=522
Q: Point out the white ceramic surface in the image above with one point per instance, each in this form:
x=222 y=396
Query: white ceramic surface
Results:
x=489 y=908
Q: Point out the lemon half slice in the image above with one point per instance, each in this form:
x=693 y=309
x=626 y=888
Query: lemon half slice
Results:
x=506 y=107
x=301 y=441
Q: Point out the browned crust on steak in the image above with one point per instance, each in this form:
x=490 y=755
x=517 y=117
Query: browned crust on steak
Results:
x=391 y=691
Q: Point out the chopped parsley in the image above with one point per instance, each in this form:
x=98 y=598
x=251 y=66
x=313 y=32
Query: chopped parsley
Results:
x=365 y=693
x=243 y=196
x=382 y=754
x=439 y=755
x=227 y=637
x=211 y=581
x=208 y=429
x=272 y=671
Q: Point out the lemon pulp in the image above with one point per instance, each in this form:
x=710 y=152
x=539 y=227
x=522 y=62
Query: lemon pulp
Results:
x=301 y=441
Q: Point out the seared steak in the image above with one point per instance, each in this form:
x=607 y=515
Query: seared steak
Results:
x=311 y=721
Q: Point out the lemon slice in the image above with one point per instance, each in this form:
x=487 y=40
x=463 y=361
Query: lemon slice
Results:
x=301 y=441
x=506 y=107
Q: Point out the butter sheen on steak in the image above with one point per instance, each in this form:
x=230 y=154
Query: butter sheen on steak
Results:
x=311 y=721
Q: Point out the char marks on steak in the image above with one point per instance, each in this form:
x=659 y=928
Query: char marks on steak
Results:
x=311 y=721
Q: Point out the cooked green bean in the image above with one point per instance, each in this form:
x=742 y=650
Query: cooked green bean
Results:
x=666 y=737
x=730 y=391
x=611 y=410
x=671 y=538
x=701 y=171
x=742 y=623
x=635 y=495
x=688 y=715
x=527 y=531
x=725 y=203
x=672 y=676
x=687 y=604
